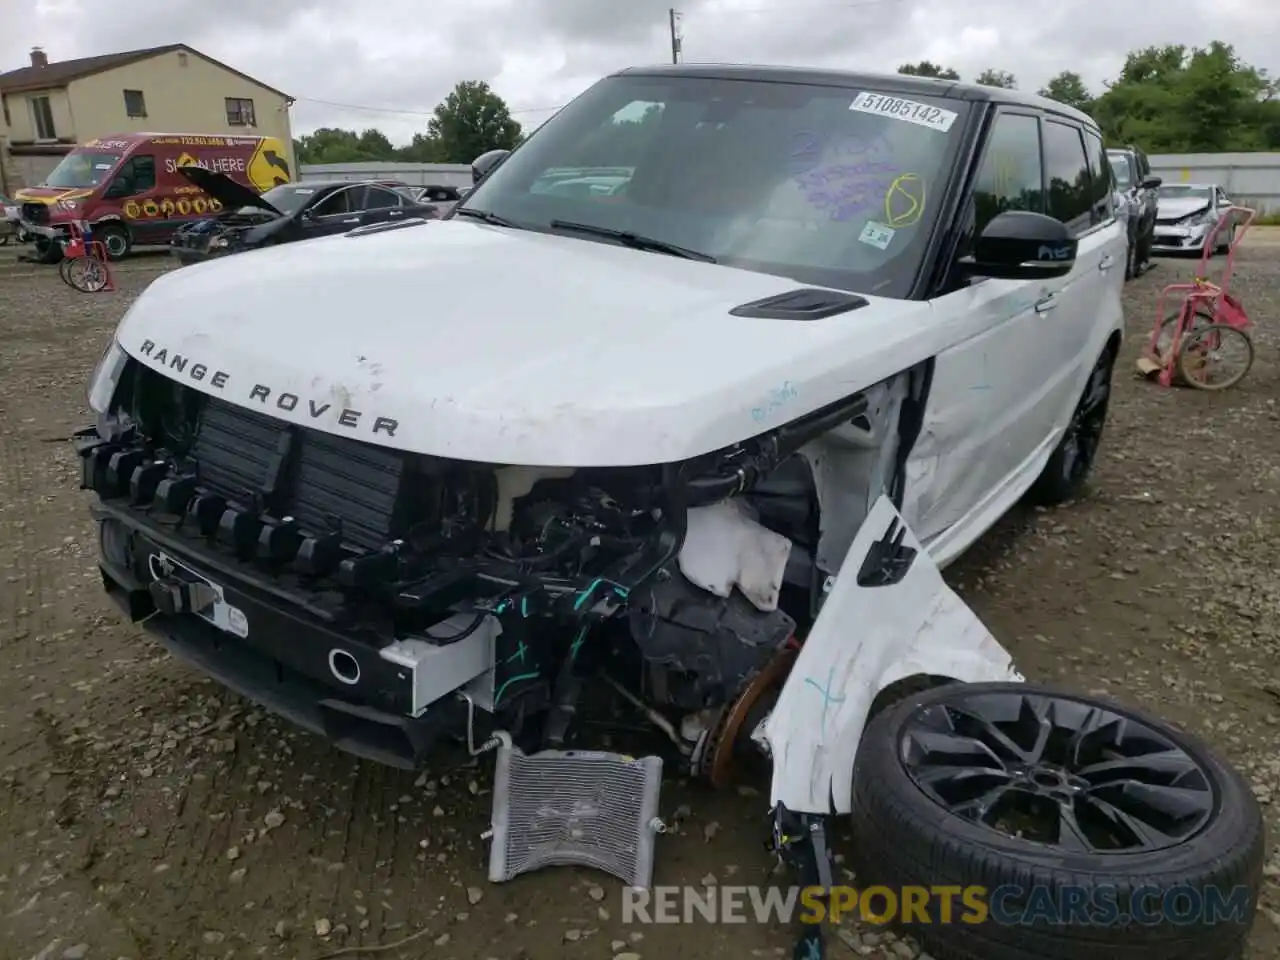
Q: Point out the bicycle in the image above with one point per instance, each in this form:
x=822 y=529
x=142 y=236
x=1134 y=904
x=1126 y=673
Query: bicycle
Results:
x=1192 y=343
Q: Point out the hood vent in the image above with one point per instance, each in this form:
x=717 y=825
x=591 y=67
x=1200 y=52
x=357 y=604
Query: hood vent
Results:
x=806 y=303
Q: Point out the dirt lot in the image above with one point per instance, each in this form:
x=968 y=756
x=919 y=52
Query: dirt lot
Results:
x=147 y=814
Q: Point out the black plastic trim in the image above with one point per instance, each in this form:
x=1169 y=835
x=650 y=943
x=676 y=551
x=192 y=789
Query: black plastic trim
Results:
x=804 y=303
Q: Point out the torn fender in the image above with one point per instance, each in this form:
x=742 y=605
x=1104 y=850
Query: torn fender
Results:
x=889 y=615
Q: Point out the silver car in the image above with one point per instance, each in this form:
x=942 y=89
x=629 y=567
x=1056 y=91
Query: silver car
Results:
x=1185 y=214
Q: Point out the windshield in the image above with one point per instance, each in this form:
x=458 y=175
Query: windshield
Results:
x=820 y=184
x=82 y=168
x=1120 y=164
x=1181 y=191
x=289 y=197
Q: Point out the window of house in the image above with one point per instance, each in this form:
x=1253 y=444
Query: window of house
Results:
x=1010 y=176
x=42 y=118
x=1066 y=176
x=135 y=105
x=1101 y=184
x=240 y=113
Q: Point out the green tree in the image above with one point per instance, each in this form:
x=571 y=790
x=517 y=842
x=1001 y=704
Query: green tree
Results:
x=927 y=68
x=472 y=120
x=1173 y=100
x=996 y=78
x=1067 y=87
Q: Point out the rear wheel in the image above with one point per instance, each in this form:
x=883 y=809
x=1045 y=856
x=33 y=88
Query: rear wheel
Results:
x=1071 y=462
x=1215 y=357
x=1068 y=828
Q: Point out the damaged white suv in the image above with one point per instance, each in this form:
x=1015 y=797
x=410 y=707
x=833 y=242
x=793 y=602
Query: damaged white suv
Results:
x=696 y=444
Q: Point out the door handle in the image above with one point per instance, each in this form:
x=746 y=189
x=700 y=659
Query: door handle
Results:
x=1106 y=263
x=1045 y=304
x=396 y=213
x=352 y=220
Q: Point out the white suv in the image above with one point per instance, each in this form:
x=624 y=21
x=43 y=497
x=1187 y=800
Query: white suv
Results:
x=706 y=436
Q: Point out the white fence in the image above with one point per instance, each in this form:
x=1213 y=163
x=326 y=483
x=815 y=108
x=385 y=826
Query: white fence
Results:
x=1252 y=179
x=414 y=174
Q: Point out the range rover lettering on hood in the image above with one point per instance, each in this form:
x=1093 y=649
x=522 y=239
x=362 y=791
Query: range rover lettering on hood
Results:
x=260 y=393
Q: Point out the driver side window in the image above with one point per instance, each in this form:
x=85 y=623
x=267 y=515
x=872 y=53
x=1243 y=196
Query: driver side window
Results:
x=1010 y=177
x=136 y=175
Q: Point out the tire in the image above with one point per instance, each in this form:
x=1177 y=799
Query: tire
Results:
x=1225 y=245
x=1130 y=261
x=1071 y=462
x=1202 y=318
x=904 y=837
x=115 y=238
x=1187 y=356
x=48 y=251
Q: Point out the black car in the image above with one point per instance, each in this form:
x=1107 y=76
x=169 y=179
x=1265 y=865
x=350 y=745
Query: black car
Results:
x=288 y=212
x=1138 y=188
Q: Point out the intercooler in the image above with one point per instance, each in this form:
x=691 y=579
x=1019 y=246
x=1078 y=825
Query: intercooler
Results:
x=324 y=483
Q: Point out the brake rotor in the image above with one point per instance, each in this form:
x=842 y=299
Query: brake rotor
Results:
x=720 y=752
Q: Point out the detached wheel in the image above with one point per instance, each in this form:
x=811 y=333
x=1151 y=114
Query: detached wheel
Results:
x=1097 y=831
x=48 y=251
x=1071 y=462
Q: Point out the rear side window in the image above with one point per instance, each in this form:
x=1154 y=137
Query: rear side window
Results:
x=378 y=199
x=1066 y=174
x=1010 y=177
x=1101 y=184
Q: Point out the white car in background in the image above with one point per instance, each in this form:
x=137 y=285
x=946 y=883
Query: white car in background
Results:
x=1186 y=212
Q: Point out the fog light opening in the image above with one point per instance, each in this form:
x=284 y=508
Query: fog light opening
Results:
x=344 y=667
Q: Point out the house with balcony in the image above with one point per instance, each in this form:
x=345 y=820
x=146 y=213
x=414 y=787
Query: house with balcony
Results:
x=50 y=106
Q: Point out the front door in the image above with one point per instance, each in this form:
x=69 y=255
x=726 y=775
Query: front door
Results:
x=336 y=212
x=997 y=396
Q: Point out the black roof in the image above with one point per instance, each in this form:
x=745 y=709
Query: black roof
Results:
x=887 y=82
x=339 y=182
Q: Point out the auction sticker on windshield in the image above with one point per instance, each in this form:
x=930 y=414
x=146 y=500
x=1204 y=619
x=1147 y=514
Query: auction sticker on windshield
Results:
x=899 y=108
x=877 y=234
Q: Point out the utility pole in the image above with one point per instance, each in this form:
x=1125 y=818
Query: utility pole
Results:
x=674 y=16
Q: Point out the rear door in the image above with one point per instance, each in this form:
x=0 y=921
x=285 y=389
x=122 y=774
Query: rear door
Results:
x=1079 y=194
x=382 y=205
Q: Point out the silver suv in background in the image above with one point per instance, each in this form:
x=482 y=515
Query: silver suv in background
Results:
x=1139 y=188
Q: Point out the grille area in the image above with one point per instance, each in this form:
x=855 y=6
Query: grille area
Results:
x=326 y=483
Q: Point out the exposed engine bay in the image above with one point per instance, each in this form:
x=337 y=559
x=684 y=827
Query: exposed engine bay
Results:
x=394 y=580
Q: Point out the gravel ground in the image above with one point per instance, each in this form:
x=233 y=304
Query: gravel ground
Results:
x=146 y=813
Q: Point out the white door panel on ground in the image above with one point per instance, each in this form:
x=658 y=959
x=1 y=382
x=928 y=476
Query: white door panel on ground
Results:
x=888 y=616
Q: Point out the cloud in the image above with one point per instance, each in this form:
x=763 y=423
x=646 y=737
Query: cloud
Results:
x=403 y=56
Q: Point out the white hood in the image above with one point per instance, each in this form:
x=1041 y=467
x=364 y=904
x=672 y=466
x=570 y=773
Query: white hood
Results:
x=1175 y=208
x=480 y=343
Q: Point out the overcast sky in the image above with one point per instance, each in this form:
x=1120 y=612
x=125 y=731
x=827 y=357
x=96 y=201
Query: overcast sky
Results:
x=403 y=56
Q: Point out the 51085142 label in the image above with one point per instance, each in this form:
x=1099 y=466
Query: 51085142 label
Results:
x=900 y=108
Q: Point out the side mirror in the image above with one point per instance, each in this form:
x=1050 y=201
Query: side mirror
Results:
x=1152 y=183
x=484 y=164
x=1020 y=245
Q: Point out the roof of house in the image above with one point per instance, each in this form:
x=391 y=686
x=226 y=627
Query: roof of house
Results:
x=62 y=72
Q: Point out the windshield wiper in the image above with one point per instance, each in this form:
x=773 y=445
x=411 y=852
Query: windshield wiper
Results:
x=484 y=215
x=633 y=240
